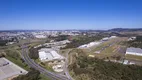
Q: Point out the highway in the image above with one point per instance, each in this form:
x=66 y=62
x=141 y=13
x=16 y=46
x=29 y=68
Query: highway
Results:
x=31 y=63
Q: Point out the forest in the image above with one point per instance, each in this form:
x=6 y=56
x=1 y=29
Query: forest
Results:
x=86 y=68
x=3 y=42
x=135 y=43
x=33 y=53
x=31 y=75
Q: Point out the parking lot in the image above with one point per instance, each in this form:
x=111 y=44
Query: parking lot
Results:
x=9 y=69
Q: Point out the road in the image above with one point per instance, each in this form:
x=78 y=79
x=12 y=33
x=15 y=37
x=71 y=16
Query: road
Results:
x=66 y=66
x=31 y=63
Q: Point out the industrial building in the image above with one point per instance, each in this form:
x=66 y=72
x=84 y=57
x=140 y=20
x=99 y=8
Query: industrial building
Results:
x=9 y=70
x=90 y=44
x=40 y=36
x=59 y=44
x=46 y=54
x=134 y=51
x=108 y=38
x=52 y=58
x=105 y=39
x=131 y=38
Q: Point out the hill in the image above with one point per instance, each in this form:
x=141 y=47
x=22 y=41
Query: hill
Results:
x=125 y=29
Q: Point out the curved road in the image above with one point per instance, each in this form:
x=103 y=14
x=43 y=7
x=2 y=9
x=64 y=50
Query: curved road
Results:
x=66 y=66
x=31 y=63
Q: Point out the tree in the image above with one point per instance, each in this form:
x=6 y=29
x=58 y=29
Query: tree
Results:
x=33 y=53
x=12 y=53
x=3 y=42
x=97 y=69
x=31 y=75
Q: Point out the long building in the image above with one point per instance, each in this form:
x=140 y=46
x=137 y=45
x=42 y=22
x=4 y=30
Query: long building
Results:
x=46 y=54
x=134 y=51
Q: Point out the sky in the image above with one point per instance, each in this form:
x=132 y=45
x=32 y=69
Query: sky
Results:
x=70 y=14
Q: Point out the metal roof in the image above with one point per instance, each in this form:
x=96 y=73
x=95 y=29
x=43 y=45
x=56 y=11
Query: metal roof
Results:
x=135 y=50
x=49 y=54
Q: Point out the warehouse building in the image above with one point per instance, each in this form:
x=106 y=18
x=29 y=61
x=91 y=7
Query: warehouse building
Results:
x=134 y=51
x=90 y=44
x=46 y=54
x=53 y=59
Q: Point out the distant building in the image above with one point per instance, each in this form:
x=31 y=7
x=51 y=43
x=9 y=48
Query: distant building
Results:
x=91 y=55
x=105 y=39
x=108 y=38
x=131 y=38
x=58 y=68
x=40 y=36
x=113 y=37
x=134 y=51
x=97 y=52
x=125 y=62
x=9 y=43
x=46 y=54
x=90 y=44
x=93 y=44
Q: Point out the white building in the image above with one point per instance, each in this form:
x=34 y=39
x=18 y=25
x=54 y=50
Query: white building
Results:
x=83 y=46
x=105 y=39
x=113 y=37
x=131 y=38
x=58 y=68
x=46 y=54
x=134 y=51
x=90 y=44
x=40 y=36
x=108 y=38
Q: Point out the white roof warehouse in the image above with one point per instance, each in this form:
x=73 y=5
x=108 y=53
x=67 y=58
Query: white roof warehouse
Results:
x=134 y=51
x=46 y=54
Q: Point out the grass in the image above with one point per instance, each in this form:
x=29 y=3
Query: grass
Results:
x=42 y=77
x=18 y=62
x=105 y=53
x=49 y=68
x=134 y=57
x=64 y=51
x=99 y=47
x=109 y=51
x=46 y=66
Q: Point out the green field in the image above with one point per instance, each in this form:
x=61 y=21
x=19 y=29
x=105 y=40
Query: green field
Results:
x=108 y=51
x=42 y=77
x=44 y=65
x=133 y=57
x=18 y=62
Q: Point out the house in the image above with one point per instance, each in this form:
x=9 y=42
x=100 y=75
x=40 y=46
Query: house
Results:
x=134 y=51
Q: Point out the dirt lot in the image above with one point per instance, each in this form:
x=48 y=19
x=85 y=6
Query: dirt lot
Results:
x=133 y=57
x=110 y=48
